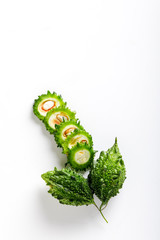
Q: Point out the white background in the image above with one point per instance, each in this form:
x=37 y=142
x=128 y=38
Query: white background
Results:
x=103 y=57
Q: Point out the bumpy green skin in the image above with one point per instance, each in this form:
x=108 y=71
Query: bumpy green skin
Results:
x=43 y=97
x=108 y=174
x=75 y=133
x=59 y=130
x=71 y=157
x=58 y=109
x=68 y=187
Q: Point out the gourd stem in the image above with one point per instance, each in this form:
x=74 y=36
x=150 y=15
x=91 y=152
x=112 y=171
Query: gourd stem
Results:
x=100 y=211
x=103 y=207
x=103 y=216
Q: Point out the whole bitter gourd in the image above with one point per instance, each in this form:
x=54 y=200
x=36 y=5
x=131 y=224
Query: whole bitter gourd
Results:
x=108 y=174
x=69 y=187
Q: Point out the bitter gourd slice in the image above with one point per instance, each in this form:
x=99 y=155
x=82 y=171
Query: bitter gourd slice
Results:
x=64 y=130
x=45 y=103
x=56 y=116
x=81 y=156
x=78 y=136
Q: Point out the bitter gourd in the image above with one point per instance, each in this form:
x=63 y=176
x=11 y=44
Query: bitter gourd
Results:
x=64 y=130
x=45 y=103
x=81 y=156
x=108 y=174
x=78 y=136
x=56 y=116
x=68 y=187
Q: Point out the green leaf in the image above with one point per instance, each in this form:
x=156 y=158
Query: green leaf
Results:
x=68 y=187
x=108 y=174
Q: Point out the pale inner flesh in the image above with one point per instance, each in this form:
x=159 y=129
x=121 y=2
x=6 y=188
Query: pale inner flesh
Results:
x=57 y=118
x=68 y=130
x=77 y=139
x=47 y=104
x=82 y=156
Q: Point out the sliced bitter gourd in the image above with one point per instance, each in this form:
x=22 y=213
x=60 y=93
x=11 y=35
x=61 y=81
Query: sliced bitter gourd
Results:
x=64 y=130
x=81 y=156
x=78 y=136
x=45 y=103
x=56 y=116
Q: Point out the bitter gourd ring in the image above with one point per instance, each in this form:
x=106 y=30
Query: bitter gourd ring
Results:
x=64 y=130
x=81 y=156
x=56 y=116
x=78 y=136
x=45 y=103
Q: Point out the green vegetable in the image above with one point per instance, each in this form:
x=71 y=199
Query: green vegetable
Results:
x=68 y=187
x=64 y=130
x=81 y=156
x=56 y=116
x=108 y=174
x=78 y=136
x=45 y=103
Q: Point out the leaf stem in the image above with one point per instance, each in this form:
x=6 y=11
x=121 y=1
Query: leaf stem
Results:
x=99 y=209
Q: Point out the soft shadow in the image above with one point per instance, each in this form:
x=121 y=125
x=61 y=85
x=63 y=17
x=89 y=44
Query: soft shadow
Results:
x=61 y=157
x=59 y=214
